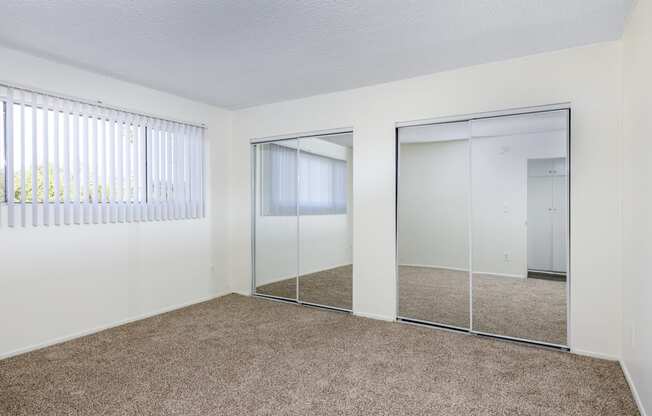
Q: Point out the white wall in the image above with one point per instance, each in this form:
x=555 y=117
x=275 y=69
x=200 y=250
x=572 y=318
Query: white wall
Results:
x=589 y=77
x=324 y=240
x=56 y=282
x=637 y=201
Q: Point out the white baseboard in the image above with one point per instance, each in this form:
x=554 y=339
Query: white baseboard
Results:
x=595 y=355
x=242 y=292
x=374 y=316
x=100 y=328
x=632 y=387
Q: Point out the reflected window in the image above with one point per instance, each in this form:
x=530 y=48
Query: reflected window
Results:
x=322 y=182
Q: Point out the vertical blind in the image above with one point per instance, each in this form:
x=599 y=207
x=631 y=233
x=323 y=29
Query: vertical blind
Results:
x=71 y=162
x=322 y=182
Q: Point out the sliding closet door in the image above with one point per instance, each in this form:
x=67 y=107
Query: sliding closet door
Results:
x=275 y=219
x=433 y=224
x=326 y=220
x=509 y=199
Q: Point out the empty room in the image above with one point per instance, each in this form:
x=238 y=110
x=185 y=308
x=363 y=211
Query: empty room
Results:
x=362 y=207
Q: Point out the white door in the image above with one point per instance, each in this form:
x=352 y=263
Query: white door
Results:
x=559 y=226
x=539 y=223
x=547 y=214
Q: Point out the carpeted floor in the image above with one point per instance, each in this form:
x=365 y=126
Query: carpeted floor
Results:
x=245 y=356
x=532 y=309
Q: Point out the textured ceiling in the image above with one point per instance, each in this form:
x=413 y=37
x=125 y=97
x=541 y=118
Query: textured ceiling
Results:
x=239 y=53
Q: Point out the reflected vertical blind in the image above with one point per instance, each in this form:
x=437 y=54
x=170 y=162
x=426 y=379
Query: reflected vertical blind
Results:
x=321 y=180
x=71 y=162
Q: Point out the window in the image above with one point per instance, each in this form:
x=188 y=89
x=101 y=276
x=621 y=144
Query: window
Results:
x=322 y=182
x=67 y=162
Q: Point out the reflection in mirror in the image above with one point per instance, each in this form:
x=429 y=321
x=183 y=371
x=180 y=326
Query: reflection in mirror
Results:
x=519 y=223
x=433 y=216
x=276 y=225
x=326 y=220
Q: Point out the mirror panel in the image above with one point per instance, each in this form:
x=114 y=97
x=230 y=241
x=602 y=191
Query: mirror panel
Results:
x=519 y=226
x=326 y=220
x=275 y=219
x=433 y=217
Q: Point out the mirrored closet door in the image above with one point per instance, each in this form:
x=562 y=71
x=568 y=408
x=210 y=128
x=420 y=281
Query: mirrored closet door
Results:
x=433 y=211
x=518 y=177
x=326 y=220
x=303 y=220
x=483 y=225
x=275 y=222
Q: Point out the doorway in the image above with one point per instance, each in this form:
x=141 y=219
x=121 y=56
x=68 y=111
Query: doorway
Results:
x=547 y=214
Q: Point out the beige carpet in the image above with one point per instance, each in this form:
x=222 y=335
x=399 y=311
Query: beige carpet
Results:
x=533 y=309
x=245 y=356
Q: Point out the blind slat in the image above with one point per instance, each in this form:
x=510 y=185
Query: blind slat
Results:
x=128 y=171
x=106 y=182
x=168 y=171
x=135 y=168
x=160 y=165
x=150 y=182
x=177 y=192
x=76 y=168
x=191 y=178
x=66 y=161
x=56 y=169
x=34 y=163
x=9 y=146
x=96 y=166
x=136 y=163
x=121 y=184
x=155 y=169
x=195 y=176
x=186 y=152
x=23 y=160
x=45 y=114
x=202 y=164
x=112 y=166
x=86 y=165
